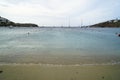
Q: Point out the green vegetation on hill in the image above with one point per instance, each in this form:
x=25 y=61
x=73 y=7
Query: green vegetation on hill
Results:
x=5 y=22
x=111 y=23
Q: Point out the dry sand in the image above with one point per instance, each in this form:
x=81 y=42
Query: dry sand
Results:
x=59 y=72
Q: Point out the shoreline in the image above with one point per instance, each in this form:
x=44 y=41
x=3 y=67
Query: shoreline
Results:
x=57 y=65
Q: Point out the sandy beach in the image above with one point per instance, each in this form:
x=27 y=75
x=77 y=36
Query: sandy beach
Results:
x=59 y=72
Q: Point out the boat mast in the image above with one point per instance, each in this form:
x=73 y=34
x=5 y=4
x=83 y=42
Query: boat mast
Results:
x=69 y=22
x=81 y=23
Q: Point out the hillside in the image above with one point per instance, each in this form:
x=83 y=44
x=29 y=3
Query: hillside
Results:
x=6 y=23
x=110 y=23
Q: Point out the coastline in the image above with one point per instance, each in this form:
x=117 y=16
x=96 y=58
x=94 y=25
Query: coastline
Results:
x=58 y=65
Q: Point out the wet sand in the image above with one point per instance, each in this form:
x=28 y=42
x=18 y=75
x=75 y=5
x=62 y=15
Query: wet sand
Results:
x=59 y=72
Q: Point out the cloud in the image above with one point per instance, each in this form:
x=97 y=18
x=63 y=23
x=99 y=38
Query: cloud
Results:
x=57 y=12
x=48 y=7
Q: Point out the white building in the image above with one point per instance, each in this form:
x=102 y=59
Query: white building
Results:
x=3 y=20
x=116 y=20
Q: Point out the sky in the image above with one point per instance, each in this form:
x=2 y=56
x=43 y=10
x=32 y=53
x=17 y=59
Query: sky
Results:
x=60 y=12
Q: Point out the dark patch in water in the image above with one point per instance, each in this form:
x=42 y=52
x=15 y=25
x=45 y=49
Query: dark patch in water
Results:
x=118 y=35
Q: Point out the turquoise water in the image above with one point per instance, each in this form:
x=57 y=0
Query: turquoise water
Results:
x=59 y=45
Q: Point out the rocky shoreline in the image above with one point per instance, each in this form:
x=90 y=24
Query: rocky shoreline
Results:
x=115 y=23
x=7 y=23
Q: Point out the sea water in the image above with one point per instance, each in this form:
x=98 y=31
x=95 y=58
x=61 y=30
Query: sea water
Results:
x=59 y=45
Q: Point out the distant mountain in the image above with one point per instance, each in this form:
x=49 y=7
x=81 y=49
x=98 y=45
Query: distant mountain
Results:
x=110 y=23
x=6 y=23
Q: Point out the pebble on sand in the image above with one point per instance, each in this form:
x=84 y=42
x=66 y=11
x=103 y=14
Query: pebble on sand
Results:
x=1 y=71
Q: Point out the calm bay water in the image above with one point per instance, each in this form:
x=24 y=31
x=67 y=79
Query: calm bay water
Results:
x=59 y=45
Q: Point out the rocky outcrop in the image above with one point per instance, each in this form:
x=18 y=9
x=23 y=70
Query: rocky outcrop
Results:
x=110 y=23
x=6 y=23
